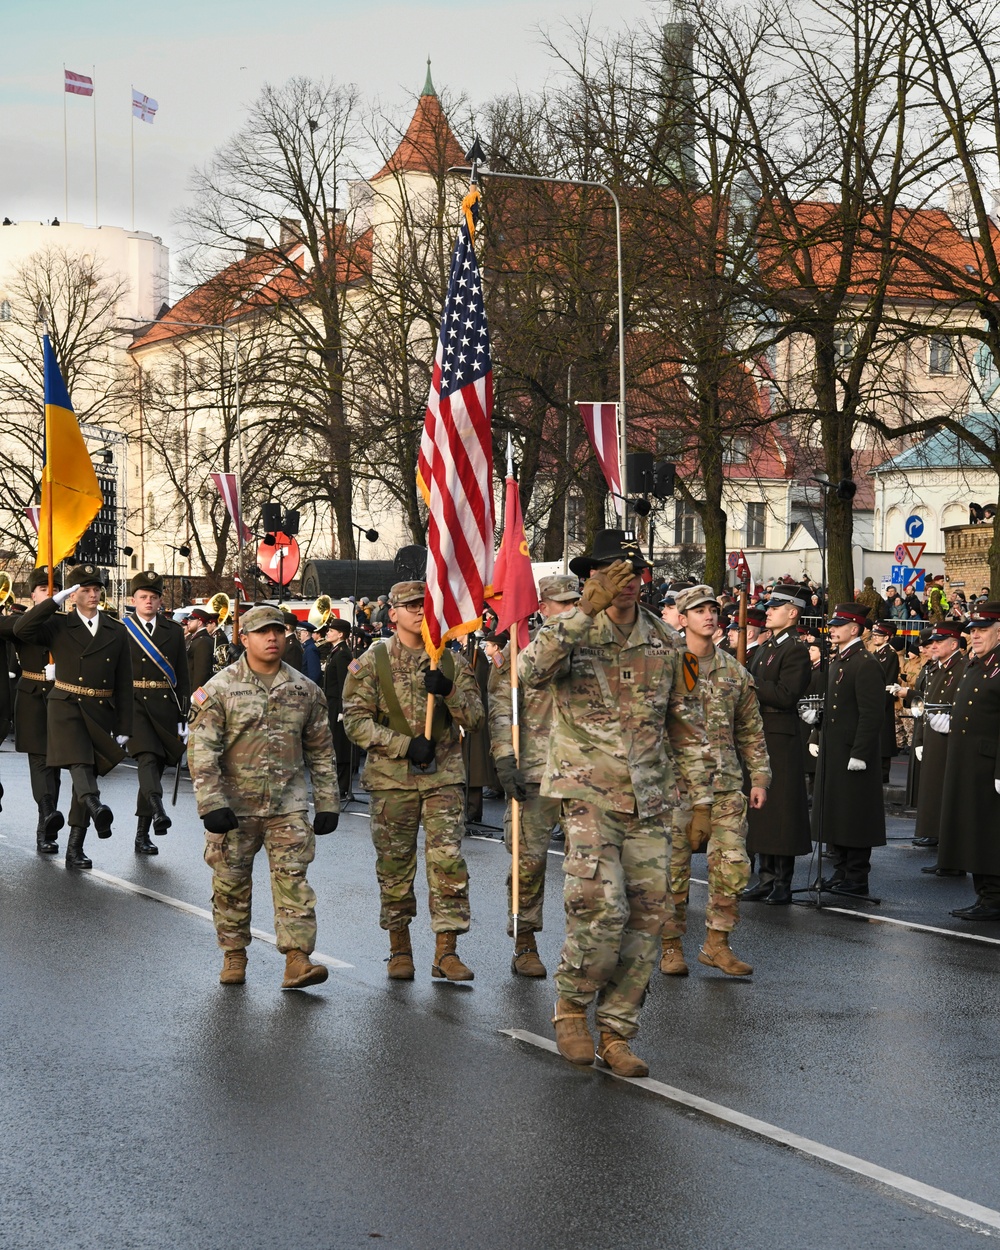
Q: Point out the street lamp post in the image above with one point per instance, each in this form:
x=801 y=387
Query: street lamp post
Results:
x=480 y=170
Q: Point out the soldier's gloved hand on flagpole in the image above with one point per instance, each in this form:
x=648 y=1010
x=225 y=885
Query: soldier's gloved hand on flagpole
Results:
x=919 y=752
x=514 y=783
x=182 y=731
x=435 y=682
x=603 y=585
x=62 y=595
x=814 y=750
x=856 y=766
x=121 y=739
x=420 y=751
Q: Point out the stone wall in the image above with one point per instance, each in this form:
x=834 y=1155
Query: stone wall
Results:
x=965 y=551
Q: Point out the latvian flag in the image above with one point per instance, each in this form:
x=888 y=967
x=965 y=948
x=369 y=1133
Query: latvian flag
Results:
x=77 y=84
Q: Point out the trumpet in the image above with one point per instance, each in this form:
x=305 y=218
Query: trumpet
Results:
x=220 y=604
x=320 y=611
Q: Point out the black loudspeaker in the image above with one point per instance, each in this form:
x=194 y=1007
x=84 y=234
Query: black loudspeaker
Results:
x=664 y=476
x=290 y=527
x=638 y=473
x=410 y=564
x=847 y=489
x=270 y=517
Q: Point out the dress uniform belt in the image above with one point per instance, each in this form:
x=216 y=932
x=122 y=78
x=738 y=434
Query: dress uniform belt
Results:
x=92 y=692
x=152 y=685
x=34 y=676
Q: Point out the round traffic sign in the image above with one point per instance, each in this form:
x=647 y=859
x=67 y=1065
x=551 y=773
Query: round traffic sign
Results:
x=900 y=554
x=279 y=560
x=914 y=526
x=734 y=560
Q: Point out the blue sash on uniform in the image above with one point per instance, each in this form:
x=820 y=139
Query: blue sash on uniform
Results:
x=149 y=648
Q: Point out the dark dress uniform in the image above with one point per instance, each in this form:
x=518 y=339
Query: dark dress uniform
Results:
x=848 y=807
x=939 y=692
x=888 y=660
x=293 y=653
x=816 y=692
x=89 y=706
x=972 y=842
x=914 y=700
x=780 y=830
x=333 y=687
x=159 y=707
x=200 y=658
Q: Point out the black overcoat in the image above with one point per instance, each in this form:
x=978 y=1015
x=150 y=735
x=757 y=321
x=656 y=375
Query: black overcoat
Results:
x=817 y=686
x=157 y=712
x=848 y=808
x=200 y=658
x=888 y=660
x=940 y=688
x=82 y=728
x=334 y=676
x=10 y=683
x=781 y=670
x=970 y=838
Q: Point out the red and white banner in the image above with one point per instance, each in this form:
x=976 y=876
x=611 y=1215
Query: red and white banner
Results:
x=77 y=84
x=601 y=421
x=226 y=482
x=143 y=106
x=33 y=514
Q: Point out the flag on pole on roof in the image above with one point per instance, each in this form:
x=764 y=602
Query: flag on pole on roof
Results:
x=455 y=464
x=601 y=421
x=143 y=106
x=228 y=489
x=514 y=596
x=71 y=494
x=77 y=84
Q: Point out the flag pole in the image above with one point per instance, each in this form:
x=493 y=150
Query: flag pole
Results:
x=515 y=806
x=132 y=115
x=741 y=643
x=93 y=100
x=65 y=152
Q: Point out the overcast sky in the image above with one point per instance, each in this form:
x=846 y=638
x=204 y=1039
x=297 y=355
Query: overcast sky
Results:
x=205 y=60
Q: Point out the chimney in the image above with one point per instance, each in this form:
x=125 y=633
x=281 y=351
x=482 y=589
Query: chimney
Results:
x=254 y=245
x=291 y=231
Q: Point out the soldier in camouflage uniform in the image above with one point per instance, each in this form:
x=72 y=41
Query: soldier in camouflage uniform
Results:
x=412 y=778
x=735 y=733
x=621 y=703
x=255 y=728
x=521 y=780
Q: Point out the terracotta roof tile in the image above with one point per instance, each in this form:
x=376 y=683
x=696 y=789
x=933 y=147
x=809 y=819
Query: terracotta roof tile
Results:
x=428 y=146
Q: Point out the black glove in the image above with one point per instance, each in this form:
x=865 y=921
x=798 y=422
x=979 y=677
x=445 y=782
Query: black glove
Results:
x=325 y=822
x=221 y=820
x=435 y=682
x=511 y=778
x=420 y=751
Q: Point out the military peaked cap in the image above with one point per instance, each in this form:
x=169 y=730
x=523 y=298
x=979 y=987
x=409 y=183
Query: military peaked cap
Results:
x=85 y=575
x=147 y=580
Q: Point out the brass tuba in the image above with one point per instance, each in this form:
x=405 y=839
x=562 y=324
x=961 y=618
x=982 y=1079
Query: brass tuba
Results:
x=320 y=611
x=221 y=605
x=6 y=591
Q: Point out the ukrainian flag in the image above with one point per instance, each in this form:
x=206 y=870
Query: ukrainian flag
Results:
x=71 y=495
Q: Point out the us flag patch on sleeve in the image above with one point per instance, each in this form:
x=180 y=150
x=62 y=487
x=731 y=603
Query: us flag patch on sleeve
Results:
x=498 y=659
x=200 y=695
x=354 y=666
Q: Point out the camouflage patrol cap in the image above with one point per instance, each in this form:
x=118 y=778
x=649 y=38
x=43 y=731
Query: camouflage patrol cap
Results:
x=406 y=592
x=694 y=597
x=147 y=580
x=40 y=578
x=264 y=617
x=559 y=588
x=85 y=575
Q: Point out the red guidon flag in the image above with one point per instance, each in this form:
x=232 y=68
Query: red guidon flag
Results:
x=514 y=596
x=455 y=465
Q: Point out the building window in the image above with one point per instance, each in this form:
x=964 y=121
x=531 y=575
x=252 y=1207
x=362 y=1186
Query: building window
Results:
x=736 y=452
x=755 y=525
x=577 y=519
x=687 y=525
x=5 y=310
x=843 y=347
x=940 y=356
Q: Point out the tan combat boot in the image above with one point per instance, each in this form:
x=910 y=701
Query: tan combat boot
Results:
x=526 y=962
x=400 y=955
x=615 y=1051
x=573 y=1038
x=716 y=954
x=673 y=963
x=234 y=968
x=299 y=972
x=446 y=963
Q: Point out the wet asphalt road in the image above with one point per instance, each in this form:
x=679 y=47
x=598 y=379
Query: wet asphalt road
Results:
x=143 y=1105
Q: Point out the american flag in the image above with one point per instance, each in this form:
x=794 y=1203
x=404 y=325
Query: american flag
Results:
x=455 y=465
x=77 y=84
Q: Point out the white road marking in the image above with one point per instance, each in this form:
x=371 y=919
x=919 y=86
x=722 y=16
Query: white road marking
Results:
x=938 y=1200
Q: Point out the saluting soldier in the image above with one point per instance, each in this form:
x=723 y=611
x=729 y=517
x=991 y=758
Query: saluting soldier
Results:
x=334 y=677
x=414 y=779
x=848 y=806
x=628 y=726
x=162 y=698
x=781 y=672
x=882 y=650
x=31 y=716
x=522 y=778
x=932 y=732
x=970 y=841
x=735 y=741
x=89 y=715
x=200 y=647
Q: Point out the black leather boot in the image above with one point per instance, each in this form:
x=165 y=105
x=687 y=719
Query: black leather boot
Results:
x=75 y=857
x=44 y=844
x=161 y=821
x=143 y=846
x=101 y=815
x=51 y=817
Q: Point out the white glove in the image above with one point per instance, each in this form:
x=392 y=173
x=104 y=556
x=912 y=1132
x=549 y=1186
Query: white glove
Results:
x=182 y=730
x=810 y=715
x=919 y=753
x=62 y=595
x=121 y=739
x=940 y=722
x=340 y=717
x=996 y=785
x=917 y=710
x=50 y=672
x=856 y=766
x=814 y=750
x=893 y=689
